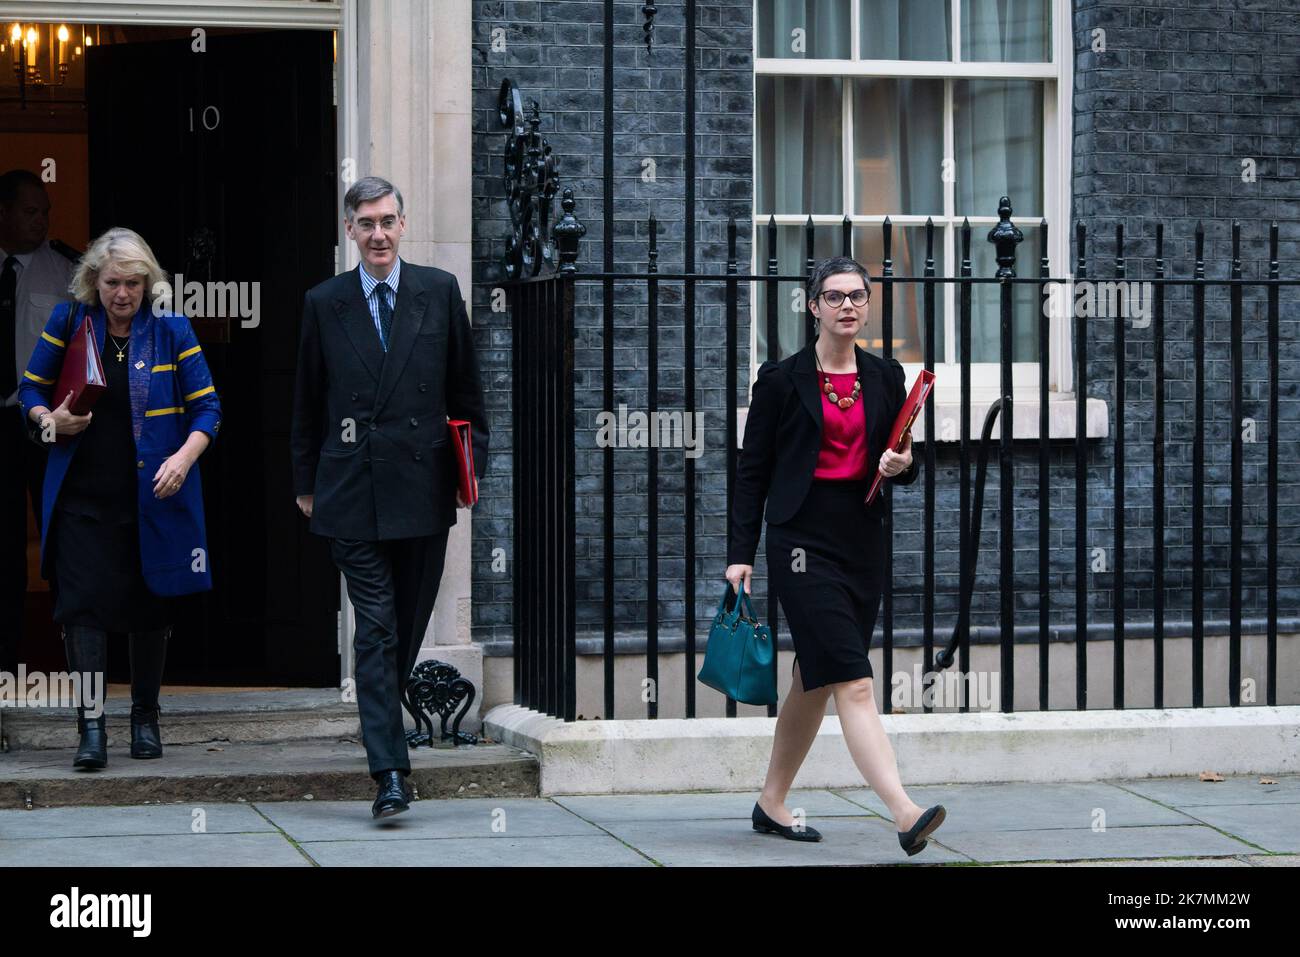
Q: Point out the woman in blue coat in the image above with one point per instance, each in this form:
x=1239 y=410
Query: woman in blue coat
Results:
x=123 y=522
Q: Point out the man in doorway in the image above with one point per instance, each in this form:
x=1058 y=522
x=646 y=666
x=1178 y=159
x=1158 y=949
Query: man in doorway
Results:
x=385 y=358
x=34 y=277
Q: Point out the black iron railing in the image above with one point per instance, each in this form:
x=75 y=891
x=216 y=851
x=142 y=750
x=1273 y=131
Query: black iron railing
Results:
x=544 y=443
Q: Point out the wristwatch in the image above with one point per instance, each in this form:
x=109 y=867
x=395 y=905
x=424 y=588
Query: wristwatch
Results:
x=35 y=430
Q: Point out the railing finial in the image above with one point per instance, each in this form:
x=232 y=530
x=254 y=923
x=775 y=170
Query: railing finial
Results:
x=567 y=233
x=1005 y=236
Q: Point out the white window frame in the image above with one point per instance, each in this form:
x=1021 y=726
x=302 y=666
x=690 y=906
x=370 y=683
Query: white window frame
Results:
x=1058 y=79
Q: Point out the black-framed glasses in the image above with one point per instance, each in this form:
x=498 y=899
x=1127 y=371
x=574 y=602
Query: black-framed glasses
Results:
x=835 y=298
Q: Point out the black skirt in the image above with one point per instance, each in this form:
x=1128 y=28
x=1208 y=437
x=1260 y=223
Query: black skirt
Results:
x=830 y=591
x=98 y=581
x=94 y=536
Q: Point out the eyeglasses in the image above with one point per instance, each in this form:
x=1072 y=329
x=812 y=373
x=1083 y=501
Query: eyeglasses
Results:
x=834 y=298
x=368 y=226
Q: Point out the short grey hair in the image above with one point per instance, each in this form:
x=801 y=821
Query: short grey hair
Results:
x=830 y=267
x=366 y=189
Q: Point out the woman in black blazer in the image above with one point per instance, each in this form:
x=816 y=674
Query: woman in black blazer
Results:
x=818 y=423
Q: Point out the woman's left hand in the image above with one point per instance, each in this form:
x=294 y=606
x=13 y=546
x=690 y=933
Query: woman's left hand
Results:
x=169 y=478
x=891 y=462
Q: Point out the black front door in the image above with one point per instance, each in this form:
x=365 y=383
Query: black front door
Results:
x=224 y=161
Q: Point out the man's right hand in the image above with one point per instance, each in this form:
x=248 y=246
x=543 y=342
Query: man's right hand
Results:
x=735 y=573
x=305 y=503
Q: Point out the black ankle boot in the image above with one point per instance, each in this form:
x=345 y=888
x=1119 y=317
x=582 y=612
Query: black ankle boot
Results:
x=92 y=749
x=87 y=651
x=148 y=653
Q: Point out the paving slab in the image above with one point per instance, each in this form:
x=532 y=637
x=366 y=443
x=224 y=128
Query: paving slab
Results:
x=1272 y=827
x=1064 y=844
x=490 y=818
x=1028 y=806
x=611 y=808
x=154 y=850
x=1273 y=860
x=69 y=822
x=734 y=843
x=1239 y=789
x=1149 y=862
x=572 y=851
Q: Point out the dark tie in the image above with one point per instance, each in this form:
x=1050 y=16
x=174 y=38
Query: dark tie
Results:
x=385 y=312
x=8 y=326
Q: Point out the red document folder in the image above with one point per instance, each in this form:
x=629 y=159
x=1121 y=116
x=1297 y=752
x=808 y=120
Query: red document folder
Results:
x=464 y=459
x=82 y=374
x=911 y=409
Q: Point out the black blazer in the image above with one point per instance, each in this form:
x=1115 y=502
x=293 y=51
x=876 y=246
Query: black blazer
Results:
x=783 y=438
x=396 y=478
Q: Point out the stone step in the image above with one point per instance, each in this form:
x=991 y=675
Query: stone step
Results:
x=277 y=771
x=294 y=714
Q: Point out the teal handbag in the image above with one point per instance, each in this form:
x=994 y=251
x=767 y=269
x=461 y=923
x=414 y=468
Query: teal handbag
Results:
x=738 y=657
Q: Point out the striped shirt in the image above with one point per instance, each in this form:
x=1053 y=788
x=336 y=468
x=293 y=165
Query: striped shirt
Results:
x=368 y=285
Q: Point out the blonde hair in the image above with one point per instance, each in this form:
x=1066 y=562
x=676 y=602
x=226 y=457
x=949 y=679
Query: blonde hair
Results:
x=127 y=252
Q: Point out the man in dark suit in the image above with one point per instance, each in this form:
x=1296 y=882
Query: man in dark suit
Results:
x=35 y=274
x=385 y=359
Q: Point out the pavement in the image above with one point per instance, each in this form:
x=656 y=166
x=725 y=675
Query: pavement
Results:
x=1242 y=821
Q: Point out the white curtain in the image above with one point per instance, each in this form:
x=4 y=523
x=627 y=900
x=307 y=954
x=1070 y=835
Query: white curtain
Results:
x=825 y=24
x=905 y=30
x=798 y=169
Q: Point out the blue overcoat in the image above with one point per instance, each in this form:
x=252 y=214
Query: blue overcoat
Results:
x=172 y=395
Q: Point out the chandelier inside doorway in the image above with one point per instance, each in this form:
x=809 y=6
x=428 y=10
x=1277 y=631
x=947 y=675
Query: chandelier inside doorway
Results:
x=43 y=56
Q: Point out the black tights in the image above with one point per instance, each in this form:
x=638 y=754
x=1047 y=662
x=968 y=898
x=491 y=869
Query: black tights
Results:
x=87 y=650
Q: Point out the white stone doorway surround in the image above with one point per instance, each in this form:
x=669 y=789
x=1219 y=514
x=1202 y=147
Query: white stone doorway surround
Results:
x=403 y=91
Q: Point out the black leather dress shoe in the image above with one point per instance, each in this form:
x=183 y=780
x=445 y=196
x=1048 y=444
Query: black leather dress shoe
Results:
x=914 y=840
x=765 y=825
x=394 y=796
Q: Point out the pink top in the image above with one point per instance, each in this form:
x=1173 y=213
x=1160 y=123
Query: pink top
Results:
x=844 y=432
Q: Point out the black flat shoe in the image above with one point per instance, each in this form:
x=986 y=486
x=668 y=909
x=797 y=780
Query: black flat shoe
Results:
x=394 y=797
x=764 y=824
x=914 y=840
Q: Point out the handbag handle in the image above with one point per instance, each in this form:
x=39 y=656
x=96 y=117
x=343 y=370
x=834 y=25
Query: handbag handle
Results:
x=743 y=605
x=741 y=609
x=733 y=614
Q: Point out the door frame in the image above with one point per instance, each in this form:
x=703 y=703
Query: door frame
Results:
x=339 y=16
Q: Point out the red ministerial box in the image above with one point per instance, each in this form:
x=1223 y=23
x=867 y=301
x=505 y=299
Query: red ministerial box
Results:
x=460 y=438
x=82 y=373
x=906 y=416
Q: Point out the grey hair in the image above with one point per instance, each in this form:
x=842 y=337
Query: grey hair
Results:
x=366 y=189
x=833 y=266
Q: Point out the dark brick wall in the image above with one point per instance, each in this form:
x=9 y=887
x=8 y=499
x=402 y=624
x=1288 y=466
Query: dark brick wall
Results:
x=1164 y=118
x=554 y=53
x=1162 y=121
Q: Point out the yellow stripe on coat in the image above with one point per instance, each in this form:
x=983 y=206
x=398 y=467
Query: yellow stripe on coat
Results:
x=172 y=411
